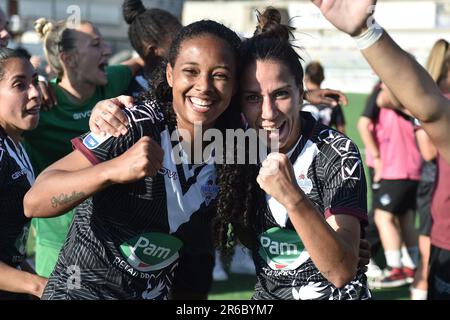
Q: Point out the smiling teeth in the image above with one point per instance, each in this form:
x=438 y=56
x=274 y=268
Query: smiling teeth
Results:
x=201 y=102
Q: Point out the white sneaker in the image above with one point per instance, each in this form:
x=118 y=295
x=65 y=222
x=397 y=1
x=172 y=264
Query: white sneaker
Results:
x=374 y=274
x=219 y=273
x=418 y=294
x=242 y=261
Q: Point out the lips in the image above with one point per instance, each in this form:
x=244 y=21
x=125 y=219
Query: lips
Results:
x=200 y=105
x=33 y=111
x=275 y=132
x=273 y=127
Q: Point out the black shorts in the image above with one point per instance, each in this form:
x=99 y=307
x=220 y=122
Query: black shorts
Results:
x=439 y=276
x=424 y=197
x=194 y=274
x=396 y=196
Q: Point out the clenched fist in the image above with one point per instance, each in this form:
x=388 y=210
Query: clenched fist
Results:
x=276 y=177
x=143 y=159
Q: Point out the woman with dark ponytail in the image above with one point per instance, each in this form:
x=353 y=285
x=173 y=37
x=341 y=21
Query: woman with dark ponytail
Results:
x=302 y=210
x=151 y=32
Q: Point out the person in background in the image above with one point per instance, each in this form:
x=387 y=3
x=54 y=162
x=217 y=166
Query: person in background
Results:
x=366 y=127
x=329 y=115
x=4 y=32
x=150 y=32
x=438 y=65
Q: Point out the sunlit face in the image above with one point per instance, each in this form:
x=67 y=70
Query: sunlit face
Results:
x=202 y=80
x=91 y=54
x=20 y=99
x=271 y=100
x=4 y=33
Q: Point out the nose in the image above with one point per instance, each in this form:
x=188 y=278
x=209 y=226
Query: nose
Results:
x=106 y=49
x=203 y=83
x=34 y=92
x=269 y=109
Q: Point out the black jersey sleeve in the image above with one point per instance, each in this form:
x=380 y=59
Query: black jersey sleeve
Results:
x=144 y=119
x=343 y=181
x=337 y=116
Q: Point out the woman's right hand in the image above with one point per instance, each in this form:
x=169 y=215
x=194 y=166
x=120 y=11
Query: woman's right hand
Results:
x=38 y=284
x=107 y=116
x=349 y=16
x=143 y=159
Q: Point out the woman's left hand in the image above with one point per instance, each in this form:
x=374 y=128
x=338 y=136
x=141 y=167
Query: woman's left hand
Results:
x=107 y=116
x=277 y=178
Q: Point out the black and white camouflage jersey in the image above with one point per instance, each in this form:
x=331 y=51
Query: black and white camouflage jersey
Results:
x=125 y=241
x=329 y=170
x=16 y=178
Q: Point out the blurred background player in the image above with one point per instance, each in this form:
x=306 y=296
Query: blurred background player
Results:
x=329 y=115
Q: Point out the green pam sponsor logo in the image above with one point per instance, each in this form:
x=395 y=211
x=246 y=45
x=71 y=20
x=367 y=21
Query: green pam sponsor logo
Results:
x=282 y=249
x=151 y=251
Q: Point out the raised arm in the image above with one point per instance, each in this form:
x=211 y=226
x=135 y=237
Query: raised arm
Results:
x=409 y=82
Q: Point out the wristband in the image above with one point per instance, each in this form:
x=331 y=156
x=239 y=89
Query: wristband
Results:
x=368 y=38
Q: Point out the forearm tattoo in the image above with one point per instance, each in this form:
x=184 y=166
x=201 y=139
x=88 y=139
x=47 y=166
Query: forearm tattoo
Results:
x=63 y=198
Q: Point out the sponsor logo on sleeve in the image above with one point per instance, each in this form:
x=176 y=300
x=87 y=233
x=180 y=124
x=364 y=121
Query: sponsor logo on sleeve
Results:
x=92 y=141
x=351 y=168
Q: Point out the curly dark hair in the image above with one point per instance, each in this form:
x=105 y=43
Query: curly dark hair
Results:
x=240 y=195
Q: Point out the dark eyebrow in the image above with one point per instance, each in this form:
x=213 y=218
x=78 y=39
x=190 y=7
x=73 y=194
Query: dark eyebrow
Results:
x=197 y=64
x=22 y=76
x=18 y=77
x=288 y=86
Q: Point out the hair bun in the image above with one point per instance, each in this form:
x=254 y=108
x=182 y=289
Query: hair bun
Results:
x=269 y=25
x=42 y=26
x=131 y=9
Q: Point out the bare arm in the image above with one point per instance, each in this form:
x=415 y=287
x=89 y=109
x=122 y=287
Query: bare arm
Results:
x=426 y=147
x=14 y=280
x=409 y=82
x=333 y=244
x=71 y=180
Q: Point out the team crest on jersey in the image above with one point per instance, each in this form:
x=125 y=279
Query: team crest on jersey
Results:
x=151 y=251
x=92 y=140
x=209 y=190
x=304 y=183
